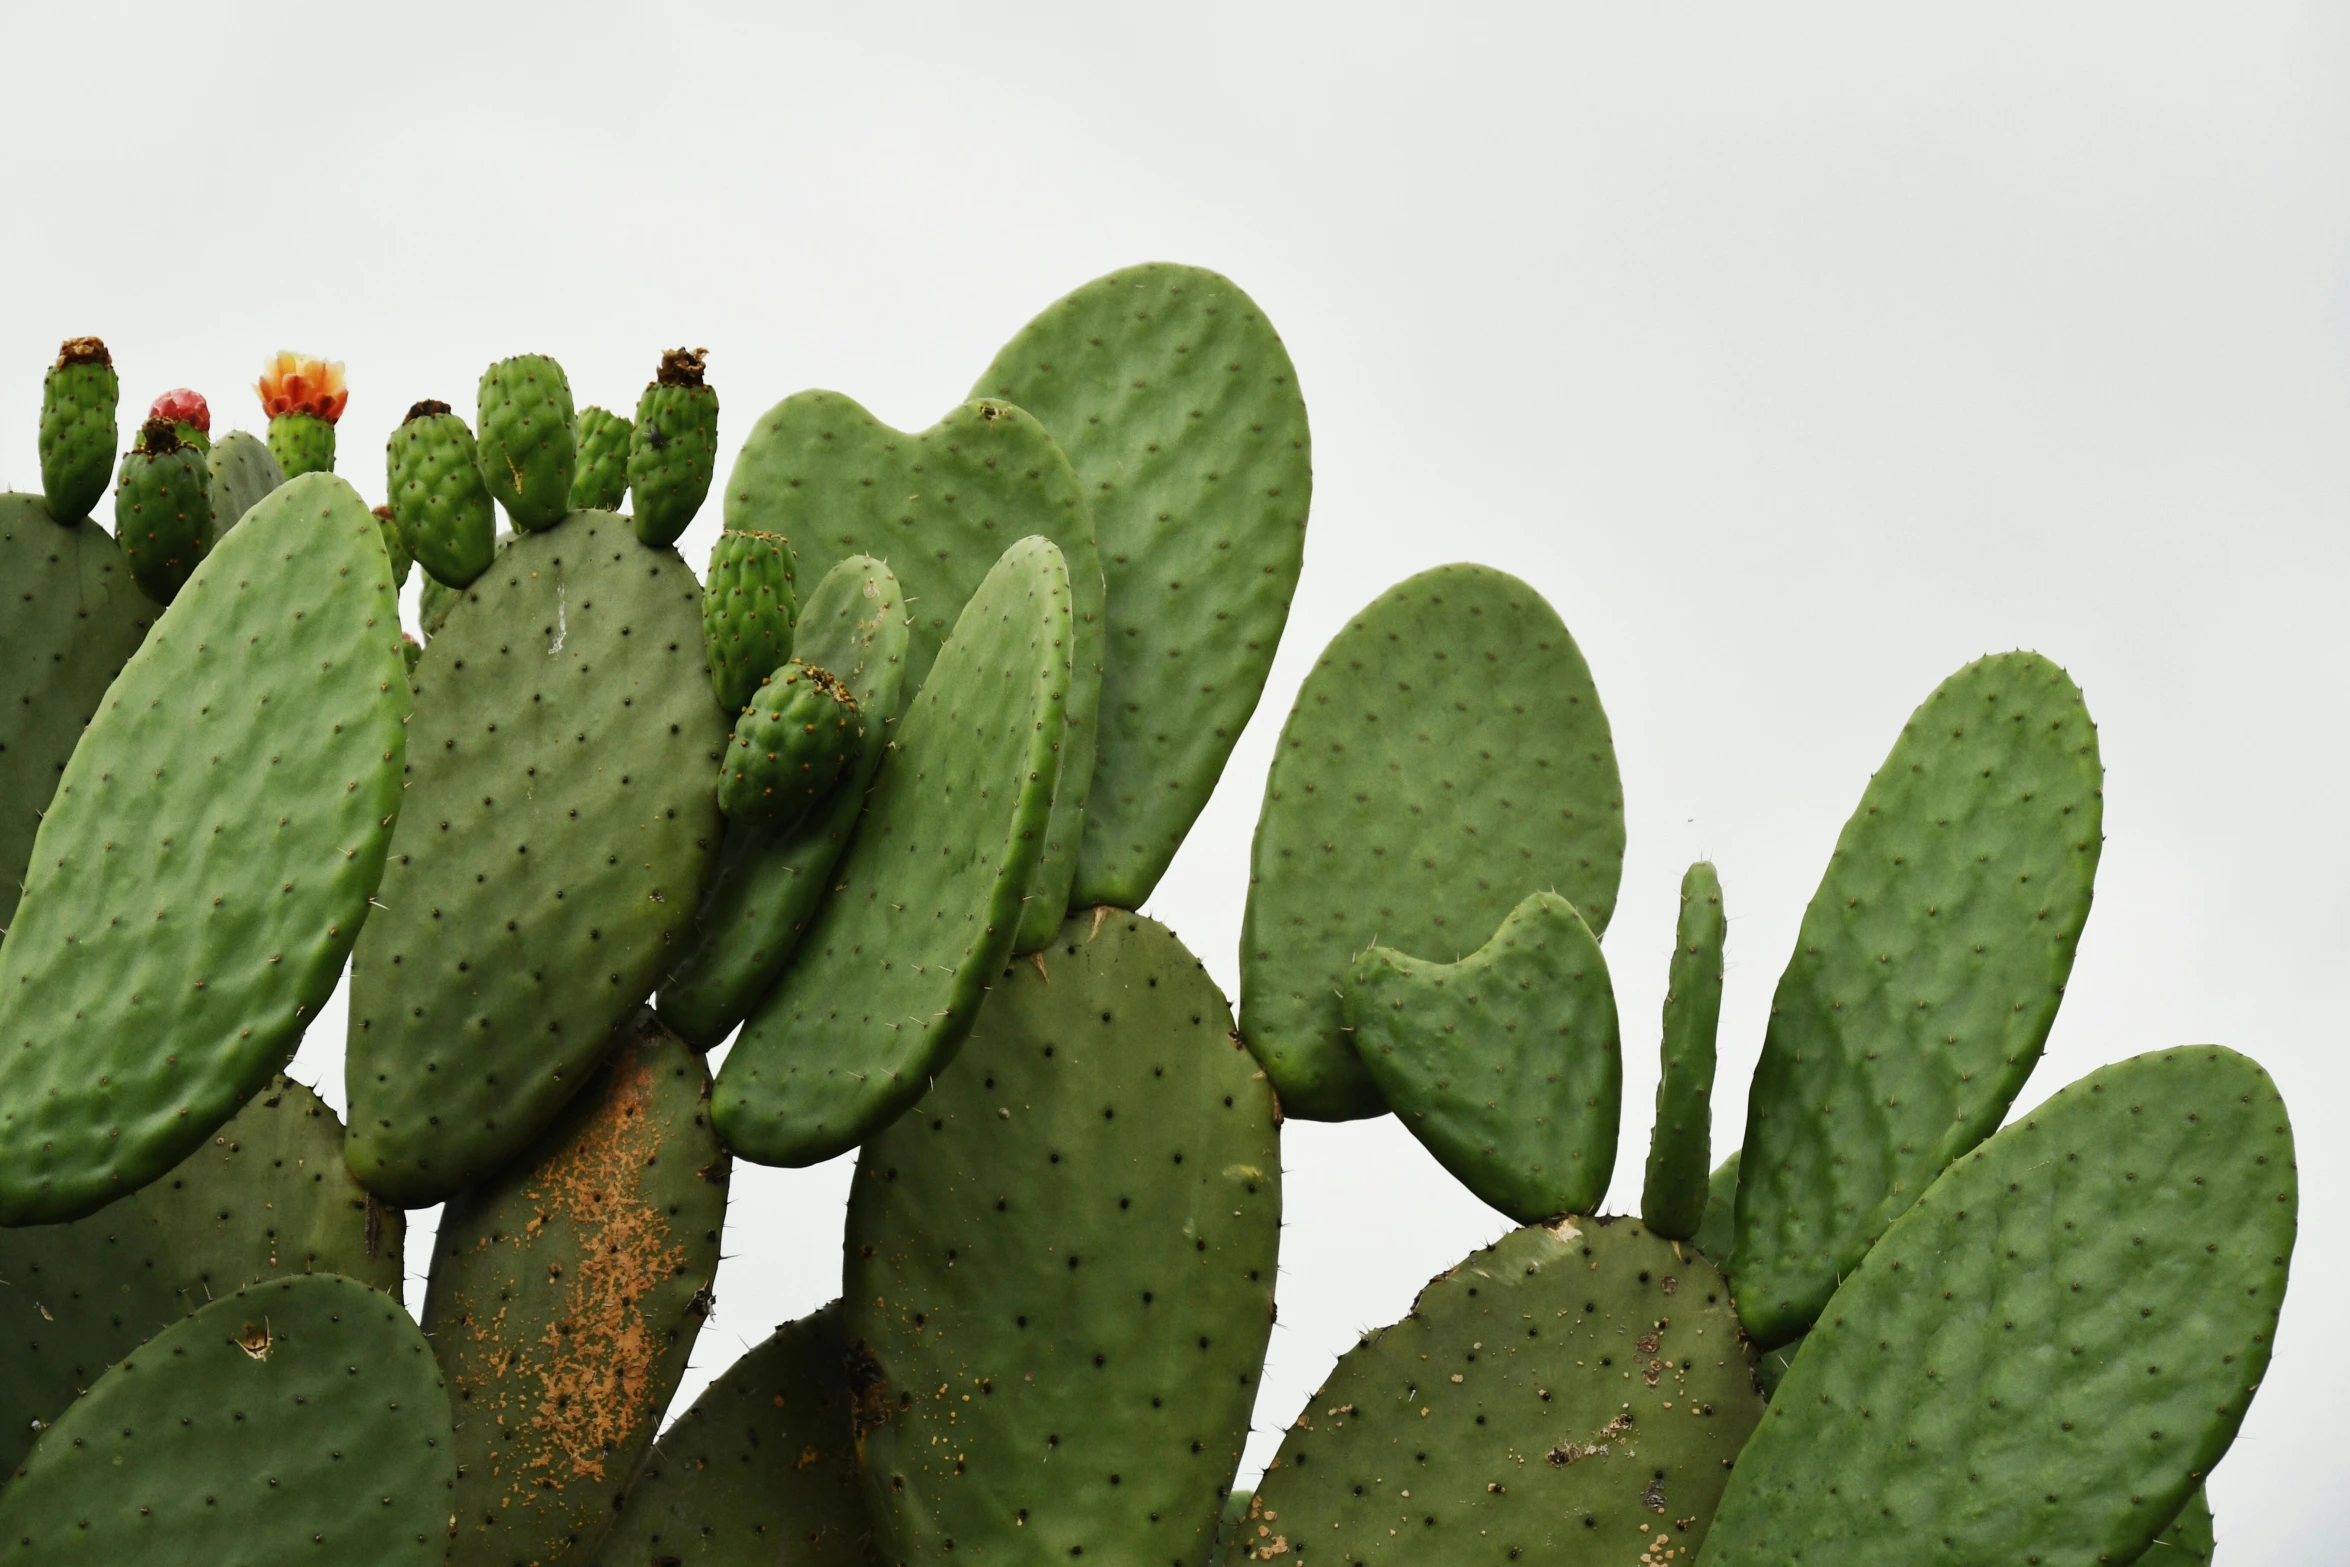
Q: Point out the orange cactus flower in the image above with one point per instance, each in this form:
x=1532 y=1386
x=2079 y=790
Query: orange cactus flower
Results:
x=297 y=383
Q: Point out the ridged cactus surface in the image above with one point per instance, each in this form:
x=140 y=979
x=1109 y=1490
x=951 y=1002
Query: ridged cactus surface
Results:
x=759 y=1471
x=1572 y=1393
x=940 y=507
x=163 y=511
x=565 y=1296
x=747 y=611
x=798 y=739
x=78 y=1298
x=925 y=904
x=599 y=481
x=243 y=472
x=1506 y=1065
x=527 y=448
x=560 y=815
x=211 y=852
x=673 y=447
x=2048 y=1351
x=438 y=495
x=1178 y=407
x=77 y=445
x=297 y=1422
x=1059 y=1275
x=770 y=881
x=1446 y=756
x=1680 y=1144
x=1925 y=977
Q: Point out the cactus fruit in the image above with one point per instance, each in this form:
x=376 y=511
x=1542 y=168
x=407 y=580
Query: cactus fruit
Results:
x=439 y=499
x=77 y=428
x=1673 y=1199
x=211 y=852
x=940 y=507
x=1180 y=411
x=189 y=416
x=1507 y=1064
x=747 y=613
x=599 y=481
x=1077 y=1229
x=527 y=450
x=300 y=1421
x=304 y=397
x=565 y=1296
x=673 y=448
x=769 y=883
x=78 y=1298
x=759 y=1471
x=798 y=738
x=163 y=510
x=394 y=545
x=2048 y=1351
x=926 y=901
x=1573 y=1392
x=74 y=615
x=242 y=473
x=1447 y=755
x=564 y=740
x=1925 y=977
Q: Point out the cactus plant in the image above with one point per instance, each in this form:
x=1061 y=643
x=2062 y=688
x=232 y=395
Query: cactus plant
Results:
x=747 y=613
x=190 y=417
x=395 y=545
x=1673 y=1199
x=794 y=743
x=527 y=448
x=673 y=447
x=78 y=399
x=163 y=510
x=303 y=397
x=78 y=1298
x=243 y=472
x=599 y=482
x=439 y=501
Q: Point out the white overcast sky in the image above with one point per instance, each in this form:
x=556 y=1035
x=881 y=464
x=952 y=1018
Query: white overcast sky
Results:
x=1799 y=353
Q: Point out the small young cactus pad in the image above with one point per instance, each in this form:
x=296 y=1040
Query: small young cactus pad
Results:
x=1447 y=755
x=798 y=738
x=1680 y=1144
x=163 y=510
x=77 y=428
x=527 y=447
x=673 y=447
x=439 y=500
x=1507 y=1064
x=747 y=613
x=599 y=482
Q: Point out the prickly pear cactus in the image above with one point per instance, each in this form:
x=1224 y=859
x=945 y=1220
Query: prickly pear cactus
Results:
x=1506 y=1065
x=926 y=901
x=163 y=510
x=565 y=1297
x=1059 y=1277
x=561 y=817
x=242 y=473
x=303 y=397
x=1447 y=755
x=2045 y=1354
x=673 y=447
x=798 y=738
x=1717 y=1234
x=600 y=481
x=527 y=449
x=439 y=500
x=940 y=507
x=1573 y=1392
x=77 y=1298
x=759 y=1471
x=211 y=852
x=747 y=613
x=297 y=1422
x=78 y=400
x=1672 y=1201
x=1180 y=411
x=395 y=545
x=74 y=615
x=1925 y=977
x=769 y=881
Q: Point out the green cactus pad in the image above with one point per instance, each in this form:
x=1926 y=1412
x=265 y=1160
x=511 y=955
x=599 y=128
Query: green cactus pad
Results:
x=1447 y=755
x=925 y=903
x=599 y=482
x=565 y=1296
x=1571 y=1393
x=1926 y=975
x=78 y=400
x=527 y=451
x=302 y=443
x=1180 y=411
x=438 y=496
x=1059 y=1276
x=73 y=617
x=561 y=814
x=76 y=1298
x=395 y=545
x=793 y=745
x=769 y=883
x=940 y=507
x=1717 y=1234
x=268 y=1196
x=163 y=511
x=2188 y=1542
x=673 y=447
x=2048 y=1352
x=747 y=612
x=243 y=473
x=1680 y=1144
x=208 y=859
x=297 y=1422
x=759 y=1471
x=1507 y=1064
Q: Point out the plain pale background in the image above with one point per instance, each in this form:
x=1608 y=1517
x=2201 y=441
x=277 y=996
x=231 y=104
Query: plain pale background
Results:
x=1797 y=358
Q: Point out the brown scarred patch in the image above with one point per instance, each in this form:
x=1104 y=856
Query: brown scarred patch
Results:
x=682 y=367
x=83 y=351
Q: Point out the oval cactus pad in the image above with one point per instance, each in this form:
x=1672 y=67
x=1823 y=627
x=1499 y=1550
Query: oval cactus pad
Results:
x=1680 y=1141
x=1447 y=756
x=2047 y=1353
x=208 y=859
x=78 y=1297
x=927 y=899
x=297 y=1422
x=1180 y=411
x=1925 y=978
